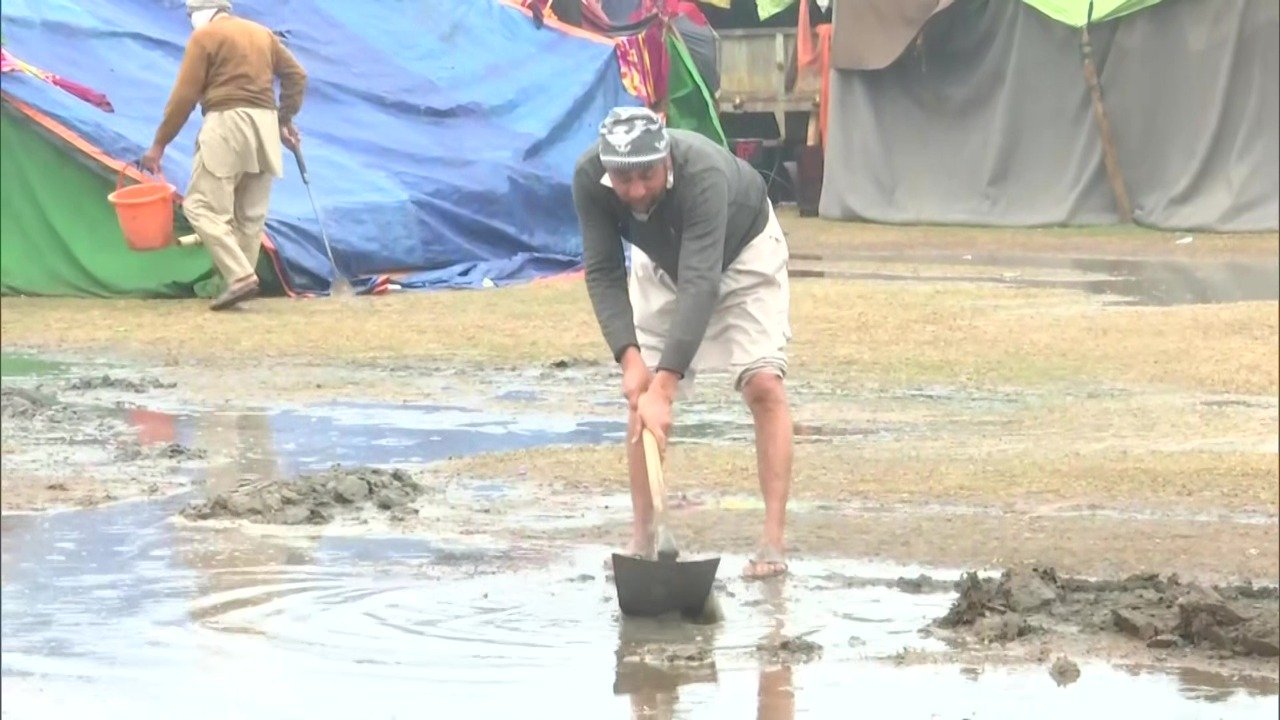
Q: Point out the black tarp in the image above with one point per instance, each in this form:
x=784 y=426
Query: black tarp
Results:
x=987 y=120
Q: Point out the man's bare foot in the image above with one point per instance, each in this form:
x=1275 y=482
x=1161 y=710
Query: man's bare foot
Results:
x=641 y=546
x=768 y=562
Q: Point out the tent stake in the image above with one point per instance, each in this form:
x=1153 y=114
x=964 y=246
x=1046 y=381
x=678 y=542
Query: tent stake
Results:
x=1109 y=158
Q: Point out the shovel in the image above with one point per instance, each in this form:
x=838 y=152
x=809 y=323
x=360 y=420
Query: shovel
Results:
x=339 y=287
x=648 y=588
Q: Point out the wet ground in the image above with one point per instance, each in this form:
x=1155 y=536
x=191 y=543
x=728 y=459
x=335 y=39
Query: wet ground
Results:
x=1134 y=281
x=121 y=612
x=307 y=556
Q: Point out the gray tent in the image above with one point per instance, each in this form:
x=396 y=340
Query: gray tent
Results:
x=980 y=114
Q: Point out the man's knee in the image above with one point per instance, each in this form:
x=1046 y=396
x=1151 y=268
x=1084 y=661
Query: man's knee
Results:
x=196 y=207
x=253 y=198
x=763 y=389
x=250 y=223
x=207 y=205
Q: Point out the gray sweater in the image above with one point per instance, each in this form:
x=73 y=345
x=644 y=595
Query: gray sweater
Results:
x=716 y=205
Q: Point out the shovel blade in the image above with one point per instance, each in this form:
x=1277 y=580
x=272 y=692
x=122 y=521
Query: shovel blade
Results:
x=648 y=588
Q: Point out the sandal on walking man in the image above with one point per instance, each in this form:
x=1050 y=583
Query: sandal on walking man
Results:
x=707 y=289
x=229 y=67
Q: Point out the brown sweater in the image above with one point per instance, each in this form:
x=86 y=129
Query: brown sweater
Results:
x=232 y=63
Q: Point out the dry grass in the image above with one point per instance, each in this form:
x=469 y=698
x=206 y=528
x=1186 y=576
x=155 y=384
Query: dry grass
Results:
x=850 y=472
x=845 y=331
x=1000 y=335
x=533 y=323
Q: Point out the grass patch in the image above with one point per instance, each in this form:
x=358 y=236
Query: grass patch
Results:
x=845 y=331
x=991 y=335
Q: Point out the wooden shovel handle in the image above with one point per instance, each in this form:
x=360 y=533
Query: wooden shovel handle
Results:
x=653 y=466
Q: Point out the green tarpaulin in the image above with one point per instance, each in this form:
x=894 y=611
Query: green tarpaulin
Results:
x=59 y=235
x=766 y=9
x=1076 y=12
x=1071 y=12
x=689 y=103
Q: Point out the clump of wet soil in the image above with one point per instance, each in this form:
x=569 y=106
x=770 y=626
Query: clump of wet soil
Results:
x=19 y=403
x=788 y=650
x=35 y=415
x=133 y=452
x=666 y=655
x=659 y=667
x=314 y=499
x=109 y=382
x=66 y=454
x=1162 y=612
x=918 y=585
x=1064 y=671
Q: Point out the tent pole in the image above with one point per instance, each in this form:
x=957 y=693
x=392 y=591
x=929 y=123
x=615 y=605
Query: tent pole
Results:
x=1109 y=158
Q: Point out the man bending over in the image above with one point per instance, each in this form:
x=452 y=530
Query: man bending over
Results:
x=707 y=289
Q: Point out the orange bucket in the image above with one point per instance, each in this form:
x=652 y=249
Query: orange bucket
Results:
x=145 y=212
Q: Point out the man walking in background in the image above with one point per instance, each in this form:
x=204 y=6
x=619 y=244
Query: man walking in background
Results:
x=229 y=68
x=708 y=287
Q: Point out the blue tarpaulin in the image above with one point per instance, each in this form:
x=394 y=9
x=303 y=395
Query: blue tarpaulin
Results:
x=439 y=135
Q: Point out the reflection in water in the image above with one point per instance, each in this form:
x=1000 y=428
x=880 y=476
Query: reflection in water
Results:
x=1210 y=687
x=349 y=433
x=170 y=618
x=225 y=560
x=656 y=657
x=1175 y=282
x=776 y=698
x=1155 y=282
x=248 y=440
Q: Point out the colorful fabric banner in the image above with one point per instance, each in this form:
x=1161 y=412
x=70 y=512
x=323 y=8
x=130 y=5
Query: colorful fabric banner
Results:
x=9 y=63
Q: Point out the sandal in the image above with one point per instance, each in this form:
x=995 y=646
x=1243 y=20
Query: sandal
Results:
x=768 y=558
x=235 y=294
x=608 y=561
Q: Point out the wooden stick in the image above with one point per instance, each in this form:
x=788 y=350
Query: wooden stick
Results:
x=1109 y=158
x=653 y=466
x=665 y=542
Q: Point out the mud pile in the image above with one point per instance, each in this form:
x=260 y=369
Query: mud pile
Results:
x=788 y=650
x=1164 y=613
x=108 y=382
x=1064 y=671
x=36 y=413
x=313 y=499
x=135 y=451
x=918 y=585
x=666 y=655
x=17 y=403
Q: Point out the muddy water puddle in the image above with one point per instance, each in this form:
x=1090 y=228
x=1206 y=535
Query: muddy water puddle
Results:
x=379 y=434
x=97 y=437
x=119 y=612
x=1130 y=281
